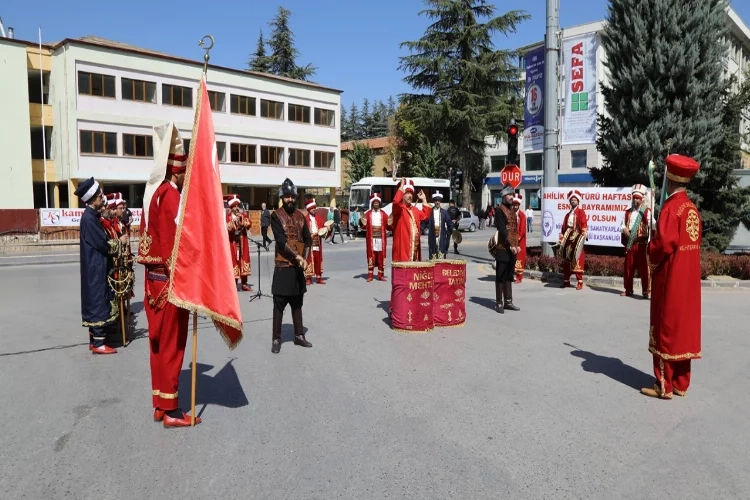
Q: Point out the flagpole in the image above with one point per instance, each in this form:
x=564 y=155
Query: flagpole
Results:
x=194 y=372
x=41 y=107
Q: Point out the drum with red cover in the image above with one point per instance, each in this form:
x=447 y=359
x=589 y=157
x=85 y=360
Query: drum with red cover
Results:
x=412 y=296
x=449 y=292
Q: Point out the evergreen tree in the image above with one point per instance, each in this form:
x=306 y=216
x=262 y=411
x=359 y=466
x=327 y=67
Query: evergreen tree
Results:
x=379 y=120
x=666 y=95
x=259 y=61
x=467 y=83
x=365 y=120
x=391 y=107
x=354 y=130
x=344 y=124
x=283 y=52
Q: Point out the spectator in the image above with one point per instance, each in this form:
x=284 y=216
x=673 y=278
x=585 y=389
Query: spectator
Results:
x=265 y=223
x=529 y=220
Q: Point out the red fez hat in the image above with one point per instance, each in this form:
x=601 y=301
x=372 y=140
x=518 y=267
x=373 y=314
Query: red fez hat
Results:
x=177 y=163
x=681 y=168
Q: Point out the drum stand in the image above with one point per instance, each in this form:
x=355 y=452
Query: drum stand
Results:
x=258 y=294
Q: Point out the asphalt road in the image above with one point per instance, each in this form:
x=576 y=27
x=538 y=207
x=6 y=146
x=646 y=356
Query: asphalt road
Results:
x=542 y=403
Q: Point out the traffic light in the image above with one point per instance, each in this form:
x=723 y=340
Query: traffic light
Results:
x=512 y=158
x=458 y=180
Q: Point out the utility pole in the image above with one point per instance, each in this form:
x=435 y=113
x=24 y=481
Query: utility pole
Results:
x=551 y=127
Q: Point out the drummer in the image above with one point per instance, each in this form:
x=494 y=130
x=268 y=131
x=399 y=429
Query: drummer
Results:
x=317 y=230
x=574 y=221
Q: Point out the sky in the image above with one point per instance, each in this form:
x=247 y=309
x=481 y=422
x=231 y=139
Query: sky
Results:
x=353 y=43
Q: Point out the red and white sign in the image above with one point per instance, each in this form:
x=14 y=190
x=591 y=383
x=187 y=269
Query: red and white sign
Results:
x=71 y=217
x=511 y=174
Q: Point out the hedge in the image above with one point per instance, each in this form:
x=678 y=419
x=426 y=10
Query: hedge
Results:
x=712 y=264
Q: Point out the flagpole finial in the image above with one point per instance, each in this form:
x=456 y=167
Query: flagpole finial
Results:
x=207 y=46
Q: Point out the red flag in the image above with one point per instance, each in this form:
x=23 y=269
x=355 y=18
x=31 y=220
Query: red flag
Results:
x=201 y=269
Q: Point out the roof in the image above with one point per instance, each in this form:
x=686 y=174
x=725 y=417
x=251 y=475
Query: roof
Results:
x=376 y=143
x=95 y=41
x=27 y=43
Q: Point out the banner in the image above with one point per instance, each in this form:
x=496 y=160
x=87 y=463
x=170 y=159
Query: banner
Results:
x=579 y=116
x=533 y=116
x=605 y=210
x=71 y=217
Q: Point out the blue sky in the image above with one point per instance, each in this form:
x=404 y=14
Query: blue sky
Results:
x=354 y=43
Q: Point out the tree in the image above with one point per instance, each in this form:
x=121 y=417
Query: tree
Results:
x=365 y=120
x=353 y=131
x=361 y=159
x=283 y=52
x=344 y=124
x=391 y=106
x=468 y=85
x=379 y=120
x=666 y=95
x=259 y=61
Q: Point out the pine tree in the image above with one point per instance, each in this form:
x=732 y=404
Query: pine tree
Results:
x=283 y=52
x=391 y=106
x=259 y=61
x=467 y=83
x=666 y=95
x=344 y=121
x=354 y=129
x=379 y=120
x=365 y=120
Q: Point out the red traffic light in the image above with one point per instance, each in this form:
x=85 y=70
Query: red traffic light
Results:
x=513 y=130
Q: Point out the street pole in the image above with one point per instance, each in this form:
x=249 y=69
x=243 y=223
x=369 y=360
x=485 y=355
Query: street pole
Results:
x=551 y=130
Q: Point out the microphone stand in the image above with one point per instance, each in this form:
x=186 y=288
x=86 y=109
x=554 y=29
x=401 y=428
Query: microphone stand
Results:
x=258 y=294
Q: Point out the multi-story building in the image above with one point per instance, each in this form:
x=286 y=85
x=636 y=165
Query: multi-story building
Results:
x=576 y=160
x=104 y=98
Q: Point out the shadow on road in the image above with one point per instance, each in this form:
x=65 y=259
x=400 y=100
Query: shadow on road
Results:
x=484 y=301
x=384 y=305
x=605 y=289
x=223 y=389
x=43 y=349
x=612 y=368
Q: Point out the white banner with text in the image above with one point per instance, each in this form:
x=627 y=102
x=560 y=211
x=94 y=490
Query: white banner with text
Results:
x=71 y=217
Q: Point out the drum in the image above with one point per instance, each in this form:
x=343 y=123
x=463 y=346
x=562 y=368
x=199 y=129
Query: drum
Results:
x=449 y=293
x=492 y=245
x=572 y=246
x=328 y=224
x=412 y=296
x=323 y=232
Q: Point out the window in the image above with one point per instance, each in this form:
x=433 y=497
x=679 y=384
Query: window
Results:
x=242 y=105
x=324 y=117
x=272 y=109
x=298 y=113
x=243 y=153
x=38 y=91
x=39 y=145
x=98 y=143
x=221 y=151
x=217 y=100
x=324 y=159
x=270 y=155
x=299 y=158
x=186 y=145
x=96 y=84
x=578 y=158
x=174 y=95
x=534 y=162
x=138 y=90
x=137 y=145
x=497 y=163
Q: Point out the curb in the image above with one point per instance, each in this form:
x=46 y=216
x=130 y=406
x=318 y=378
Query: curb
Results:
x=547 y=277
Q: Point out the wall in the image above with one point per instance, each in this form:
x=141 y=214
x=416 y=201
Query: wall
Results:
x=16 y=189
x=741 y=240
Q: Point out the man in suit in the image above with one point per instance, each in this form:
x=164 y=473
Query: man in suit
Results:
x=440 y=228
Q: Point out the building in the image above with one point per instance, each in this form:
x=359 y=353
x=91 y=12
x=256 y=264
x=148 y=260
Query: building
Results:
x=576 y=160
x=104 y=98
x=381 y=168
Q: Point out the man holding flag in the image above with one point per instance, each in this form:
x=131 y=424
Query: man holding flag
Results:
x=186 y=253
x=635 y=237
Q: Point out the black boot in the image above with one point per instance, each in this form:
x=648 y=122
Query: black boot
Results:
x=299 y=330
x=499 y=296
x=276 y=338
x=508 y=292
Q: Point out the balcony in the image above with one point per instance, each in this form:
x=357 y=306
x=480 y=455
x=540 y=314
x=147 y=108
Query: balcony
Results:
x=35 y=114
x=37 y=171
x=32 y=58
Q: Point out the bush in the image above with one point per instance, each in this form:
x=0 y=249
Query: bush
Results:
x=712 y=264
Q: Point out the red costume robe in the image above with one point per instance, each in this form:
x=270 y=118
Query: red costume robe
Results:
x=576 y=219
x=407 y=246
x=521 y=257
x=167 y=323
x=375 y=258
x=636 y=258
x=240 y=251
x=675 y=333
x=315 y=261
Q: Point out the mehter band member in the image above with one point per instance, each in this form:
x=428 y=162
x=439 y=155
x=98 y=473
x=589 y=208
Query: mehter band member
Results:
x=575 y=221
x=635 y=232
x=440 y=228
x=293 y=242
x=238 y=225
x=407 y=221
x=167 y=323
x=98 y=306
x=375 y=223
x=521 y=225
x=675 y=254
x=315 y=225
x=506 y=250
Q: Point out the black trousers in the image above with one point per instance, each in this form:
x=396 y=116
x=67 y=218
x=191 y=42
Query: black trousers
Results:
x=264 y=232
x=279 y=304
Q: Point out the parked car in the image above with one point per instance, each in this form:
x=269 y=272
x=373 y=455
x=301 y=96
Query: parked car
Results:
x=469 y=222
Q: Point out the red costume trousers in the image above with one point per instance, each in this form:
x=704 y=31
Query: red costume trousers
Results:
x=376 y=261
x=317 y=264
x=578 y=270
x=636 y=259
x=672 y=376
x=167 y=332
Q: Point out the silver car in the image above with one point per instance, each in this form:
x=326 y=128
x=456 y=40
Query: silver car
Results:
x=469 y=222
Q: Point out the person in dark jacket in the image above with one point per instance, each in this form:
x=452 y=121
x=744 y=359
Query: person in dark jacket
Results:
x=455 y=216
x=440 y=228
x=506 y=249
x=265 y=223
